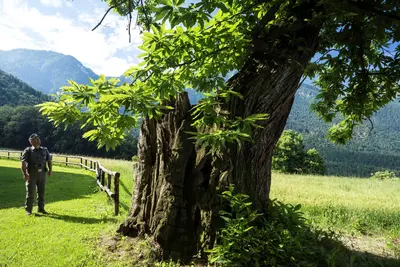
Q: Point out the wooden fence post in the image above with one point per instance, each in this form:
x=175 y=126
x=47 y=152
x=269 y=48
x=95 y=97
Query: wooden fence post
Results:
x=66 y=161
x=91 y=164
x=109 y=180
x=81 y=162
x=8 y=154
x=102 y=177
x=116 y=194
x=97 y=172
x=85 y=163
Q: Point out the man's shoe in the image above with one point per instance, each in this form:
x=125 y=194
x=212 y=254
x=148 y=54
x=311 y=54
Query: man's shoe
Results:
x=43 y=212
x=27 y=212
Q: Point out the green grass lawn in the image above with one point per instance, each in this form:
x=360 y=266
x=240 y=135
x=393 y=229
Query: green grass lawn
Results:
x=69 y=235
x=81 y=218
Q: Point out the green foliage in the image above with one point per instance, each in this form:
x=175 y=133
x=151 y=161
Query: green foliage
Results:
x=282 y=238
x=99 y=105
x=358 y=68
x=384 y=175
x=221 y=128
x=291 y=157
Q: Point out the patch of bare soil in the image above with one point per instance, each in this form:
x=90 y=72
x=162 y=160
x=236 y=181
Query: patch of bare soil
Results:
x=130 y=251
x=370 y=245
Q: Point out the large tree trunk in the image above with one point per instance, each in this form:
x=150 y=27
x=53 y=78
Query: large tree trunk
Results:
x=175 y=196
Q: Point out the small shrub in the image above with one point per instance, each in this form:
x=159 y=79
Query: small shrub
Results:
x=281 y=238
x=384 y=175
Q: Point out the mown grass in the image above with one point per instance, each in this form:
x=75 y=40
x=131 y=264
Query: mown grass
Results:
x=81 y=222
x=68 y=236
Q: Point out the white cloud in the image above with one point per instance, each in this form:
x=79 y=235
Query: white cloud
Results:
x=111 y=54
x=51 y=3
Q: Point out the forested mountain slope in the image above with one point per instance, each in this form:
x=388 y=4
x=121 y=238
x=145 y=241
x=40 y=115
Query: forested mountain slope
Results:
x=367 y=152
x=15 y=92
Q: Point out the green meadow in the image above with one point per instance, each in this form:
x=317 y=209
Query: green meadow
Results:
x=351 y=205
x=81 y=225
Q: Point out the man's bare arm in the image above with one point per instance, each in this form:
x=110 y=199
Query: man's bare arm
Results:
x=50 y=164
x=24 y=171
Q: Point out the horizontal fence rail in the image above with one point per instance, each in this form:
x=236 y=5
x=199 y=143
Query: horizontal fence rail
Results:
x=107 y=180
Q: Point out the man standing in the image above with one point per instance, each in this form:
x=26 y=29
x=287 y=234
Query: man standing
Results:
x=33 y=165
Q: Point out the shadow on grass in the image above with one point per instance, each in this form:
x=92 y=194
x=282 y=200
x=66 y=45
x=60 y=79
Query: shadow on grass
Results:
x=338 y=254
x=60 y=186
x=76 y=219
x=127 y=191
x=365 y=259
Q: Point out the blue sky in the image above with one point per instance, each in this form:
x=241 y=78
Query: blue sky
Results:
x=64 y=26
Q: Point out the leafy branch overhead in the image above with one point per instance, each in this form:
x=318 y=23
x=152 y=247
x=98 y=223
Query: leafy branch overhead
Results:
x=200 y=45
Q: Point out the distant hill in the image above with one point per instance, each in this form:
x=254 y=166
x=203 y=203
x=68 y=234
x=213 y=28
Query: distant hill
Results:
x=45 y=71
x=15 y=92
x=367 y=152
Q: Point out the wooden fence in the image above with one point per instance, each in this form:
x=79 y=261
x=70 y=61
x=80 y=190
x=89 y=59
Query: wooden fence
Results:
x=107 y=180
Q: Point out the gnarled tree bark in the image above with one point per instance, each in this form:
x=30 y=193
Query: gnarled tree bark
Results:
x=175 y=196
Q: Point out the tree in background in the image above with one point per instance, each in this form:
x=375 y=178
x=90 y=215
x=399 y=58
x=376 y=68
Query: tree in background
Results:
x=269 y=45
x=290 y=156
x=314 y=162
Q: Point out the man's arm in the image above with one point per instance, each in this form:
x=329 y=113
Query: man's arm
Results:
x=49 y=162
x=23 y=165
x=50 y=165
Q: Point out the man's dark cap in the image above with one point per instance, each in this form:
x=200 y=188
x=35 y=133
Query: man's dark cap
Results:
x=33 y=136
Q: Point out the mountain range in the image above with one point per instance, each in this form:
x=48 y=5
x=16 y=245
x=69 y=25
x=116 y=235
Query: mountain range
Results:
x=368 y=151
x=45 y=71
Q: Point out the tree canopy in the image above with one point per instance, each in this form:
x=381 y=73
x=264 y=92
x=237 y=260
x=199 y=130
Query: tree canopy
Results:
x=198 y=45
